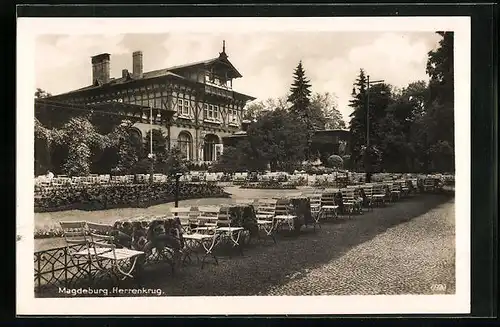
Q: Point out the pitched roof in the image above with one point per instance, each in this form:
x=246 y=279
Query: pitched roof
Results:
x=161 y=72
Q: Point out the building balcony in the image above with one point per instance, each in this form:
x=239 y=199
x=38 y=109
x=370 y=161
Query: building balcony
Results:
x=212 y=121
x=184 y=116
x=219 y=91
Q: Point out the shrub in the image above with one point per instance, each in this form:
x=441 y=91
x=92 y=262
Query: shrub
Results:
x=335 y=161
x=270 y=184
x=99 y=197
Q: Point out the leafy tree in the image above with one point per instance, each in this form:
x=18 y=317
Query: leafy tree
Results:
x=399 y=141
x=40 y=94
x=440 y=114
x=81 y=135
x=255 y=109
x=175 y=162
x=239 y=158
x=324 y=110
x=159 y=145
x=128 y=149
x=278 y=139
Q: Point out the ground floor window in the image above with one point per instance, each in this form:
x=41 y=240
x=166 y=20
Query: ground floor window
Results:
x=185 y=144
x=209 y=147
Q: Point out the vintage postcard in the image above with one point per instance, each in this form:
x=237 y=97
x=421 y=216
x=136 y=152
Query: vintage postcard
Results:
x=243 y=166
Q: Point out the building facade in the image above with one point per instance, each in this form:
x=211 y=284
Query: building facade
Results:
x=198 y=99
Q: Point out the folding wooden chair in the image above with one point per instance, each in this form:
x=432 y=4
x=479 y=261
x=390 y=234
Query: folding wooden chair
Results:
x=265 y=209
x=429 y=185
x=378 y=194
x=350 y=201
x=283 y=215
x=228 y=232
x=204 y=235
x=395 y=188
x=368 y=189
x=77 y=243
x=316 y=210
x=329 y=206
x=115 y=262
x=183 y=214
x=206 y=218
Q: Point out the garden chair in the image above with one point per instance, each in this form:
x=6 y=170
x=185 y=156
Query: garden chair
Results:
x=405 y=188
x=77 y=246
x=395 y=189
x=351 y=201
x=368 y=189
x=246 y=201
x=328 y=205
x=265 y=217
x=183 y=214
x=429 y=185
x=206 y=220
x=316 y=210
x=228 y=232
x=204 y=237
x=378 y=194
x=115 y=262
x=283 y=215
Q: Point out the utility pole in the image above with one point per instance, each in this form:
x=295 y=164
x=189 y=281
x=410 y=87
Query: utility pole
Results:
x=368 y=83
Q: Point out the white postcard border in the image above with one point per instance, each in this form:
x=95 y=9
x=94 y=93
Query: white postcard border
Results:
x=29 y=28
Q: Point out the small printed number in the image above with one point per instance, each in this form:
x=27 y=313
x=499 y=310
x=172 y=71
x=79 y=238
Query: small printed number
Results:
x=438 y=287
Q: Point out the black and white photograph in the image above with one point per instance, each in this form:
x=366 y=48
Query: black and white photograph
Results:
x=243 y=165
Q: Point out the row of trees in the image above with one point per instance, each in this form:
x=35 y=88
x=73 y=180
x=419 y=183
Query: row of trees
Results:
x=282 y=129
x=78 y=148
x=411 y=129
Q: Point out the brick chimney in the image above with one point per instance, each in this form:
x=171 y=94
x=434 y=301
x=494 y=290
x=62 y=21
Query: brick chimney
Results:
x=137 y=64
x=101 y=66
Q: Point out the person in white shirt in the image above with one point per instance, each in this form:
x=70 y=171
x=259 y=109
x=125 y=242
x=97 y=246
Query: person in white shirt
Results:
x=50 y=175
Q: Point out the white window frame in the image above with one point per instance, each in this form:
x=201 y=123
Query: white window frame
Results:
x=216 y=112
x=185 y=108
x=180 y=105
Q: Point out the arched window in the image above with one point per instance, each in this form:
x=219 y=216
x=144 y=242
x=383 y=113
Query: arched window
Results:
x=209 y=147
x=185 y=144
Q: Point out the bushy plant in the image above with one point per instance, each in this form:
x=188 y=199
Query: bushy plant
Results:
x=335 y=161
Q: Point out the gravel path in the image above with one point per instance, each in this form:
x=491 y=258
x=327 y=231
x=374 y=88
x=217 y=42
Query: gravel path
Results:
x=411 y=258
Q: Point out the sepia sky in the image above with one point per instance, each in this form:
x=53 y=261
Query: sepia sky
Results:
x=266 y=60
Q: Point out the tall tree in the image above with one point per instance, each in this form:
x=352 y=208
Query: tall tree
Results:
x=440 y=114
x=300 y=103
x=300 y=92
x=278 y=139
x=357 y=124
x=324 y=111
x=375 y=99
x=255 y=109
x=400 y=131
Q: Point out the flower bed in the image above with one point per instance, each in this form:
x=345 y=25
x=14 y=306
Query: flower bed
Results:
x=100 y=197
x=272 y=184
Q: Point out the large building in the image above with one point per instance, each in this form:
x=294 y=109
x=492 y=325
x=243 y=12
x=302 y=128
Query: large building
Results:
x=198 y=99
